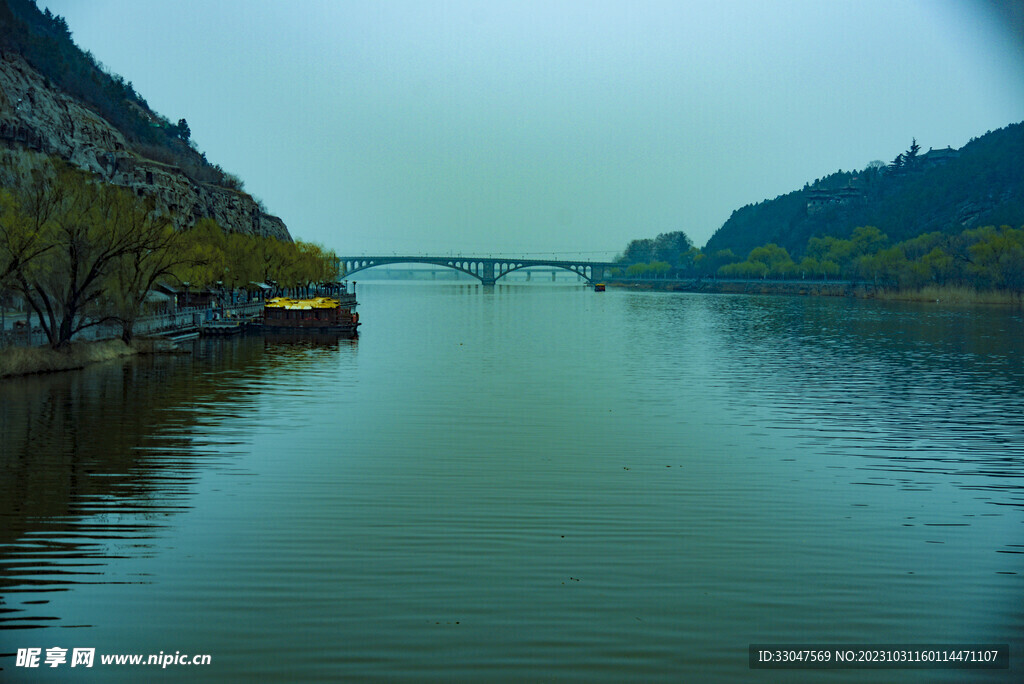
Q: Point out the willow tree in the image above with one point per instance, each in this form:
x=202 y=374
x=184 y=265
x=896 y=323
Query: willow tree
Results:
x=318 y=265
x=271 y=257
x=89 y=228
x=153 y=255
x=997 y=258
x=26 y=208
x=203 y=255
x=235 y=260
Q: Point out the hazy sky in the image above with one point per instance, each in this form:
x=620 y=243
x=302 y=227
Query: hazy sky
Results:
x=551 y=126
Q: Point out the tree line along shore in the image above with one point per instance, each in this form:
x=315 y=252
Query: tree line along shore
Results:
x=80 y=253
x=981 y=265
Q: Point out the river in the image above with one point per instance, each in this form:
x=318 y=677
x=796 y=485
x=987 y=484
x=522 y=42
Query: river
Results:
x=531 y=482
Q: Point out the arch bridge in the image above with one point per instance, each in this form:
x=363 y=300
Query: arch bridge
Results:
x=486 y=269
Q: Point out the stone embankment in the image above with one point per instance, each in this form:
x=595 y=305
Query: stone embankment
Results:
x=36 y=115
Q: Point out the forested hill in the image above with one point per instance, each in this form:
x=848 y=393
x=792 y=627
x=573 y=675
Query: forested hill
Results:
x=918 y=192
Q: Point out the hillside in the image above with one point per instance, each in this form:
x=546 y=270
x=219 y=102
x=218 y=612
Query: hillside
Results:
x=940 y=190
x=55 y=98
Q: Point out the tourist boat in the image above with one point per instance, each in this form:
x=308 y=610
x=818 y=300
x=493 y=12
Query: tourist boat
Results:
x=320 y=315
x=599 y=287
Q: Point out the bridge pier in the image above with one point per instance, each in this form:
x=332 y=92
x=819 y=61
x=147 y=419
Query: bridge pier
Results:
x=486 y=269
x=487 y=273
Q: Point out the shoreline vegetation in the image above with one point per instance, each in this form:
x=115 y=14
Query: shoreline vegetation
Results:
x=21 y=361
x=952 y=294
x=941 y=294
x=986 y=259
x=79 y=252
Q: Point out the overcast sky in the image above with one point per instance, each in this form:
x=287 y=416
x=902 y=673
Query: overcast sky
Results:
x=531 y=127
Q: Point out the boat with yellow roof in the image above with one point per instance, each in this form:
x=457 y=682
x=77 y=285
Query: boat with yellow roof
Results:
x=314 y=315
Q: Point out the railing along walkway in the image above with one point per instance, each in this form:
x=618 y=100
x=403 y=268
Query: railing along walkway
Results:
x=181 y=319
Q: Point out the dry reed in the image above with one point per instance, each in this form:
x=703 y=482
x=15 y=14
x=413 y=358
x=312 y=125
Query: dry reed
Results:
x=27 y=360
x=951 y=294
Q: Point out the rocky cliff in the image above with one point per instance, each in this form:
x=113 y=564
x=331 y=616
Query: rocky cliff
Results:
x=36 y=115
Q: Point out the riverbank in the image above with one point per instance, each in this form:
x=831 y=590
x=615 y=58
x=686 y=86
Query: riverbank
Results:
x=16 y=361
x=818 y=288
x=934 y=293
x=953 y=295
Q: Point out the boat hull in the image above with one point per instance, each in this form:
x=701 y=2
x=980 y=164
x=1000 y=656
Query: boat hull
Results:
x=350 y=330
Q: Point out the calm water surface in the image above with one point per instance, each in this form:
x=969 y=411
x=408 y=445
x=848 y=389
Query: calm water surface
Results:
x=528 y=483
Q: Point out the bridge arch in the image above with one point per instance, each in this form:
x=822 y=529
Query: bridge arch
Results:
x=486 y=270
x=348 y=267
x=519 y=266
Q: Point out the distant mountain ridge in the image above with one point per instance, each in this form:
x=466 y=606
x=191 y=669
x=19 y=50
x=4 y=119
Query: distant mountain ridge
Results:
x=945 y=190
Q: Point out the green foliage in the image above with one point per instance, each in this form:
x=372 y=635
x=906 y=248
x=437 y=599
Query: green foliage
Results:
x=660 y=269
x=768 y=261
x=130 y=277
x=910 y=159
x=775 y=258
x=744 y=269
x=637 y=252
x=636 y=270
x=654 y=269
x=67 y=242
x=983 y=186
x=81 y=252
x=722 y=257
x=670 y=248
x=182 y=130
x=817 y=268
x=236 y=261
x=997 y=258
x=987 y=258
x=26 y=210
x=867 y=239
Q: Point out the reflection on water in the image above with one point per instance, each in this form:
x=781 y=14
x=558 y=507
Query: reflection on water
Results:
x=527 y=483
x=93 y=463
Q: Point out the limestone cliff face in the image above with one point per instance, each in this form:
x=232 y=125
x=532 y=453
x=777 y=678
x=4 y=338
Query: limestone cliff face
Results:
x=36 y=115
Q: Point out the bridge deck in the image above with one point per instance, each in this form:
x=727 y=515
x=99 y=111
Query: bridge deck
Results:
x=487 y=269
